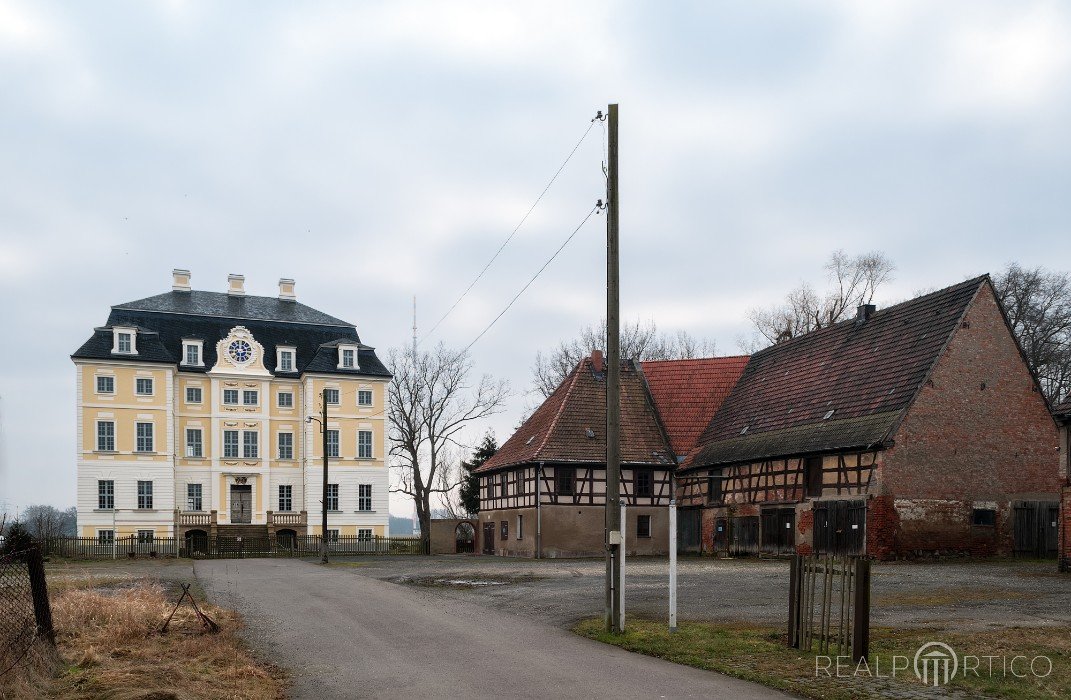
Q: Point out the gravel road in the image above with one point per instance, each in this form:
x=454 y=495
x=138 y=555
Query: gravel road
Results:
x=347 y=636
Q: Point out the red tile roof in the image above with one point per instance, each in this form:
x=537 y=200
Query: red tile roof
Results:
x=558 y=431
x=840 y=387
x=687 y=393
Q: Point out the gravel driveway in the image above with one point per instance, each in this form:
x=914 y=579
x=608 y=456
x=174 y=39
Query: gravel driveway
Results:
x=345 y=636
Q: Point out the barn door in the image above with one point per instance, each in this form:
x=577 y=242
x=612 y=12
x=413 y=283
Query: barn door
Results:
x=689 y=530
x=778 y=530
x=488 y=538
x=1035 y=528
x=721 y=535
x=744 y=535
x=840 y=527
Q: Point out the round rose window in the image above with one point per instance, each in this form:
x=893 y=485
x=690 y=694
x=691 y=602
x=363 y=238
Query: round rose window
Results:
x=240 y=351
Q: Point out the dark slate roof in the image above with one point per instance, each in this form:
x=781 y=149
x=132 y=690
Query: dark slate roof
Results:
x=867 y=373
x=687 y=393
x=558 y=430
x=164 y=320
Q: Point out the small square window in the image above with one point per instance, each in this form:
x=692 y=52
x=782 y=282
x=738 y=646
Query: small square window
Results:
x=105 y=385
x=286 y=399
x=249 y=397
x=230 y=397
x=984 y=517
x=364 y=534
x=364 y=397
x=146 y=536
x=106 y=537
x=331 y=396
x=143 y=386
x=643 y=526
x=332 y=535
x=193 y=394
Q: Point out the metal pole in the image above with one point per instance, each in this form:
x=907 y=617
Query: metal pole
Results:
x=539 y=511
x=673 y=565
x=323 y=432
x=621 y=578
x=613 y=385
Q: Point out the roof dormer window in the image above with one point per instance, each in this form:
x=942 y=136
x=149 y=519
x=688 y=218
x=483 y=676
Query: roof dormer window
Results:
x=124 y=341
x=347 y=357
x=285 y=359
x=193 y=353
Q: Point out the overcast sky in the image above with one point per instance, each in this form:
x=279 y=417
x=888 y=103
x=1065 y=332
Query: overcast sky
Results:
x=374 y=151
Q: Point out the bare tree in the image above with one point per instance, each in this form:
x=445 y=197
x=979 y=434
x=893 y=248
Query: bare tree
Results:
x=1038 y=304
x=430 y=404
x=852 y=281
x=639 y=341
x=46 y=522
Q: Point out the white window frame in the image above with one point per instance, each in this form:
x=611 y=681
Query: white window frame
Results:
x=118 y=331
x=362 y=443
x=190 y=496
x=365 y=534
x=138 y=437
x=200 y=394
x=137 y=385
x=237 y=397
x=110 y=494
x=362 y=393
x=142 y=539
x=246 y=444
x=342 y=350
x=286 y=498
x=364 y=498
x=147 y=495
x=104 y=377
x=237 y=445
x=199 y=346
x=332 y=495
x=279 y=399
x=112 y=436
x=332 y=535
x=199 y=444
x=290 y=445
x=337 y=394
x=106 y=537
x=285 y=350
x=334 y=448
x=245 y=396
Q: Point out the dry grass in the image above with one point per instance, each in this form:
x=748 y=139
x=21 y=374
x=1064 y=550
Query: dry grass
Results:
x=109 y=647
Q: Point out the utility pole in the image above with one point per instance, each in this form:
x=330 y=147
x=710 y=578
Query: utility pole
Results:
x=323 y=432
x=614 y=539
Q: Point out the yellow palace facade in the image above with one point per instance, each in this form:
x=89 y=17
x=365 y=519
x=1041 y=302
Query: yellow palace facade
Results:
x=194 y=418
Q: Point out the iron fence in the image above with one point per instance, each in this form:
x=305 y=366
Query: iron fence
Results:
x=223 y=546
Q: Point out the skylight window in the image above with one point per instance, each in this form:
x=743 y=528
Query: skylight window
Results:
x=829 y=414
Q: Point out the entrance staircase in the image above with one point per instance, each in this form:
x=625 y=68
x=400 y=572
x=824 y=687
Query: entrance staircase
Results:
x=254 y=538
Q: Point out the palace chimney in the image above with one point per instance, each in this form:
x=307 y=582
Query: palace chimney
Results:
x=286 y=290
x=864 y=312
x=596 y=361
x=236 y=285
x=180 y=280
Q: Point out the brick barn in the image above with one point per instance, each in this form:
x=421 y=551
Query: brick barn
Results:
x=1063 y=417
x=916 y=429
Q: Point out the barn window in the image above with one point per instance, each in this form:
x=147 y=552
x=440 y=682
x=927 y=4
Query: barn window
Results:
x=644 y=482
x=503 y=484
x=984 y=517
x=714 y=481
x=505 y=530
x=643 y=526
x=565 y=480
x=812 y=476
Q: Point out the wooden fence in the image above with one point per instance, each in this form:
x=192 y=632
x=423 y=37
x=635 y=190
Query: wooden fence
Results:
x=829 y=605
x=227 y=547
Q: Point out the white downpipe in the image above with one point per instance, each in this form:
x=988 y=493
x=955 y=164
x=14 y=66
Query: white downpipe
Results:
x=673 y=565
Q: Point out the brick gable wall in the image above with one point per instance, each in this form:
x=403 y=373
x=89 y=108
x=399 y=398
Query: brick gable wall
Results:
x=978 y=433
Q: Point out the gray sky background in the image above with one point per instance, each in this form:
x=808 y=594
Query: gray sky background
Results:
x=374 y=151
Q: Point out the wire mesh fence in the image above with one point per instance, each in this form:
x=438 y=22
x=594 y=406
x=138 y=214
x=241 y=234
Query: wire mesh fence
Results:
x=25 y=613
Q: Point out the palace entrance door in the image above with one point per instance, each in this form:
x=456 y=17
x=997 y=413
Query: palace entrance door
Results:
x=241 y=504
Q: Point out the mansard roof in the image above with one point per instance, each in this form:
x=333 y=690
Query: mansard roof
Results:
x=570 y=426
x=844 y=386
x=163 y=321
x=687 y=394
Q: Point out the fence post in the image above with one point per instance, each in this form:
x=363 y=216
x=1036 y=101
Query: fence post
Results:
x=42 y=609
x=861 y=613
x=794 y=602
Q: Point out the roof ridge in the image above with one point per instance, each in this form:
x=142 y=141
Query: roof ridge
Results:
x=561 y=406
x=695 y=359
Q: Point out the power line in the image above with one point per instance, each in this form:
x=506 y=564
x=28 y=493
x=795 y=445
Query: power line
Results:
x=515 y=230
x=598 y=207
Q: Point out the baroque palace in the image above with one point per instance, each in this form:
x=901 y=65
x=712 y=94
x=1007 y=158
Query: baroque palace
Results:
x=195 y=417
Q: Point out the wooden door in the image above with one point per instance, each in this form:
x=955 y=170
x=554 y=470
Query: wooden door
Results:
x=721 y=535
x=489 y=538
x=241 y=504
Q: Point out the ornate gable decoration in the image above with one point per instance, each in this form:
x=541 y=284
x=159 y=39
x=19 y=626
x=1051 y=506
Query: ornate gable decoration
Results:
x=239 y=353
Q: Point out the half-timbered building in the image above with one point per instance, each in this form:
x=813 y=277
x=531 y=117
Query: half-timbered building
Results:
x=914 y=429
x=543 y=492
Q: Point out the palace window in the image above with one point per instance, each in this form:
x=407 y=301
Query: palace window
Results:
x=331 y=396
x=124 y=341
x=145 y=495
x=364 y=444
x=364 y=497
x=143 y=386
x=332 y=496
x=286 y=445
x=193 y=394
x=347 y=357
x=286 y=360
x=643 y=526
x=230 y=397
x=105 y=385
x=332 y=535
x=644 y=482
x=230 y=444
x=364 y=397
x=332 y=443
x=106 y=537
x=144 y=437
x=286 y=399
x=194 y=444
x=106 y=495
x=193 y=497
x=250 y=444
x=105 y=436
x=286 y=498
x=191 y=351
x=565 y=480
x=146 y=536
x=364 y=534
x=249 y=397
